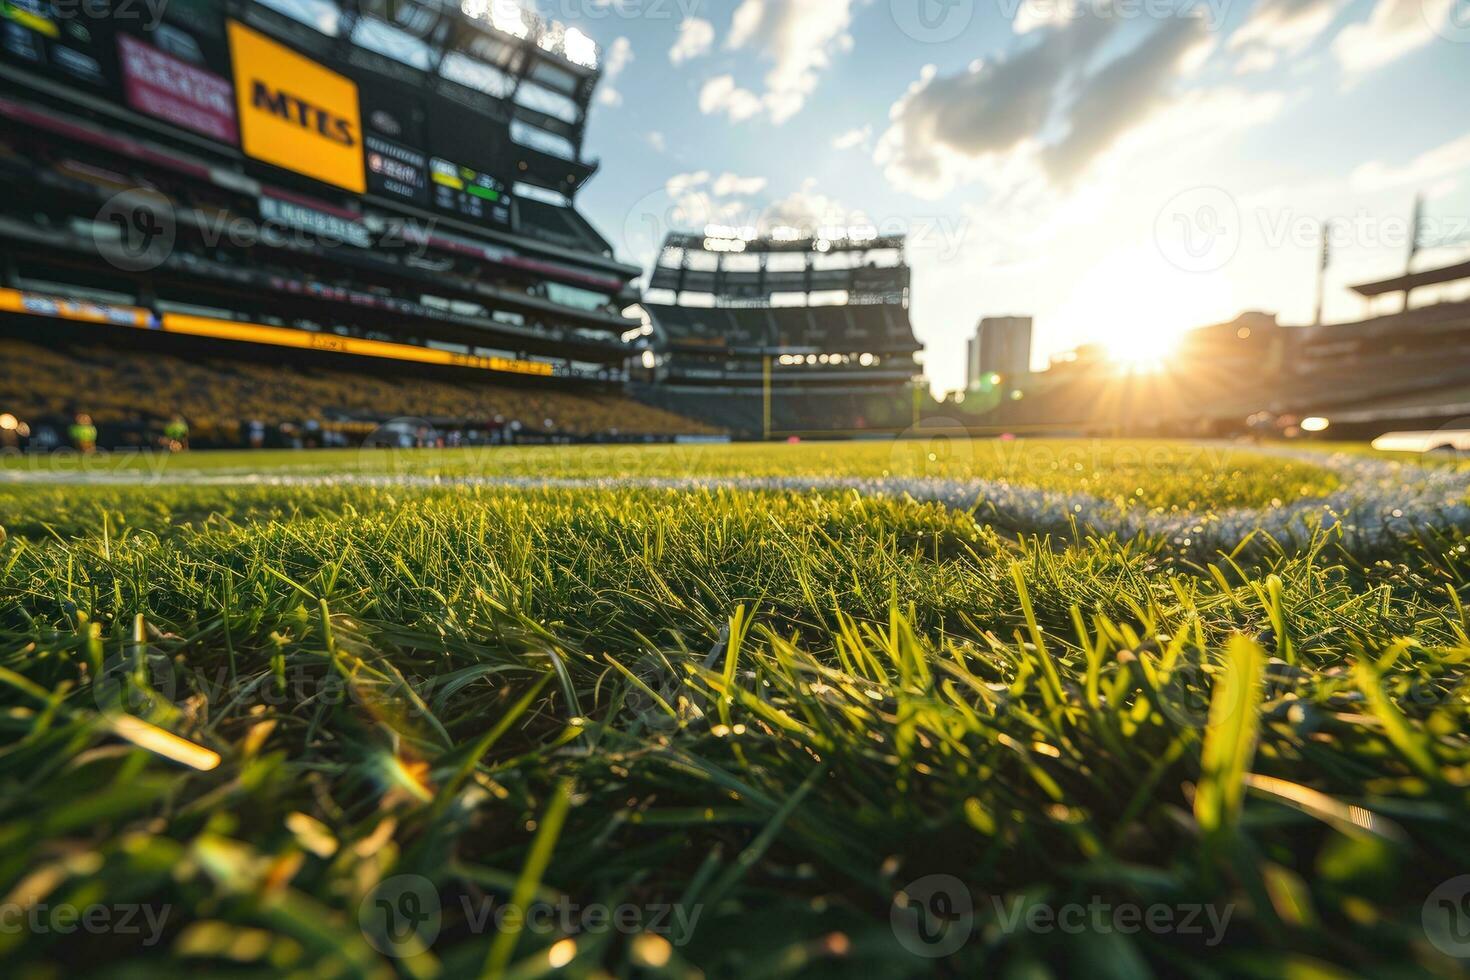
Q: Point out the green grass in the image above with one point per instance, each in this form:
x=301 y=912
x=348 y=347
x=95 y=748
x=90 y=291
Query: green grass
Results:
x=775 y=709
x=1150 y=474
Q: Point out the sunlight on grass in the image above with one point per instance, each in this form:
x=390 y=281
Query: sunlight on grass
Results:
x=777 y=713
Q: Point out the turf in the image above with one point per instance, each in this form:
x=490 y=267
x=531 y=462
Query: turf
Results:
x=778 y=710
x=1151 y=474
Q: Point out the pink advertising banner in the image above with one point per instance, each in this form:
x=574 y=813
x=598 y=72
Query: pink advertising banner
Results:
x=175 y=91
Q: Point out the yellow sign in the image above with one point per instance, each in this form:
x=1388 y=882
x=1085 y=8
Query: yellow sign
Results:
x=294 y=113
x=38 y=304
x=198 y=326
x=37 y=22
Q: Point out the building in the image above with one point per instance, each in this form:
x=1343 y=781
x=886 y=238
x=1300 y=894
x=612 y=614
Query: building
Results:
x=1002 y=345
x=362 y=182
x=787 y=335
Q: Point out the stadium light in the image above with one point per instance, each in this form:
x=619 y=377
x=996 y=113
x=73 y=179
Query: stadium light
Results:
x=1316 y=424
x=505 y=16
x=553 y=38
x=580 y=49
x=9 y=422
x=744 y=233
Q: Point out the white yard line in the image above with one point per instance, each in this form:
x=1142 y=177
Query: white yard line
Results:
x=1379 y=501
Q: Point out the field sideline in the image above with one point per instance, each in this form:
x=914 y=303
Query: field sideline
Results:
x=899 y=708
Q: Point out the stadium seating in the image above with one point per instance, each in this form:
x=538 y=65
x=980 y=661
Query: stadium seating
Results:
x=132 y=389
x=825 y=328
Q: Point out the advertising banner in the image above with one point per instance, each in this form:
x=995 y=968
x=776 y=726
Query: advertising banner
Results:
x=69 y=42
x=166 y=87
x=394 y=140
x=326 y=229
x=294 y=113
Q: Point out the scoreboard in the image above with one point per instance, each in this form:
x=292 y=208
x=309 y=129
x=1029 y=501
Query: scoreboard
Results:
x=328 y=119
x=469 y=194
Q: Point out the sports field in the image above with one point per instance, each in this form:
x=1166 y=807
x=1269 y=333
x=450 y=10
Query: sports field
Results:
x=972 y=708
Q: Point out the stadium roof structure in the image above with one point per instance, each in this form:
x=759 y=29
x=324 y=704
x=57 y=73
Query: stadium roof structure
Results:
x=1414 y=280
x=737 y=269
x=718 y=238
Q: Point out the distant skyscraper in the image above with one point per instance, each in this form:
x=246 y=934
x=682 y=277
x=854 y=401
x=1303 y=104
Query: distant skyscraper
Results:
x=1002 y=345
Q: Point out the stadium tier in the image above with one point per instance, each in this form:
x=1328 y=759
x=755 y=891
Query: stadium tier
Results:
x=382 y=181
x=794 y=334
x=132 y=394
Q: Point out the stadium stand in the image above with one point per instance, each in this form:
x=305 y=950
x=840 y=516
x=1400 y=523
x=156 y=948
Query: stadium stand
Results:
x=131 y=394
x=816 y=343
x=416 y=210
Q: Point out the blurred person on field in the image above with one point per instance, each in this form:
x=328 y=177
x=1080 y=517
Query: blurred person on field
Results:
x=84 y=434
x=176 y=434
x=256 y=433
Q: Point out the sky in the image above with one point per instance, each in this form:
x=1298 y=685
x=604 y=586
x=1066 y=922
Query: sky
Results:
x=1122 y=170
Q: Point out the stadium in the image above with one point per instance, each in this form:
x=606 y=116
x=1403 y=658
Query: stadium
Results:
x=400 y=578
x=785 y=335
x=174 y=229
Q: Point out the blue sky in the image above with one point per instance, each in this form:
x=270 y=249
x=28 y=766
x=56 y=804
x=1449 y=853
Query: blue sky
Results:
x=1120 y=169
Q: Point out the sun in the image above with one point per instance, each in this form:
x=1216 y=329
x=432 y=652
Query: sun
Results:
x=1138 y=312
x=1141 y=351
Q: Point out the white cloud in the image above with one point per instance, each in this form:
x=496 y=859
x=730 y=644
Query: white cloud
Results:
x=1123 y=94
x=658 y=141
x=1395 y=28
x=617 y=58
x=698 y=199
x=696 y=37
x=1442 y=161
x=1033 y=14
x=1256 y=58
x=1280 y=27
x=720 y=95
x=809 y=209
x=952 y=129
x=680 y=183
x=728 y=185
x=745 y=22
x=799 y=37
x=853 y=138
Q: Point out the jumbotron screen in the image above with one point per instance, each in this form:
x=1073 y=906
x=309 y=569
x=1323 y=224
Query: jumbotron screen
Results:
x=343 y=126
